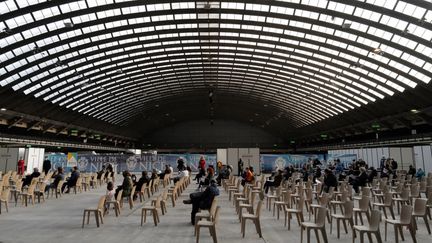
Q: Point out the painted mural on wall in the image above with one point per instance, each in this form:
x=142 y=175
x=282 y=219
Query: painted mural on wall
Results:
x=345 y=159
x=138 y=163
x=133 y=163
x=269 y=162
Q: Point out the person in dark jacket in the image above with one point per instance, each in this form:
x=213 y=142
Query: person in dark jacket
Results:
x=275 y=182
x=202 y=200
x=361 y=180
x=411 y=171
x=57 y=176
x=46 y=167
x=143 y=180
x=71 y=182
x=27 y=180
x=373 y=174
x=330 y=180
x=126 y=186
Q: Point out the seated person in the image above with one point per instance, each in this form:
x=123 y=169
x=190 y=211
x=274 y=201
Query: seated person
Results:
x=100 y=173
x=143 y=180
x=71 y=182
x=248 y=176
x=58 y=176
x=28 y=179
x=224 y=173
x=200 y=174
x=182 y=173
x=209 y=177
x=360 y=180
x=167 y=171
x=275 y=182
x=202 y=200
x=126 y=186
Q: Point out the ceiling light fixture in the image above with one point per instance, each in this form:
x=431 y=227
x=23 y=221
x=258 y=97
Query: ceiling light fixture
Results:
x=3 y=109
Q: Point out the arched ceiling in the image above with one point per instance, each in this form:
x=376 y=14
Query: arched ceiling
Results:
x=307 y=60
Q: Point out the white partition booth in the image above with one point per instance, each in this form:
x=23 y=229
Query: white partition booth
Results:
x=249 y=156
x=403 y=155
x=423 y=157
x=34 y=158
x=9 y=158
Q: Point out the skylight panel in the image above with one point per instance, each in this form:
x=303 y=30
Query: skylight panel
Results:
x=406 y=81
x=424 y=78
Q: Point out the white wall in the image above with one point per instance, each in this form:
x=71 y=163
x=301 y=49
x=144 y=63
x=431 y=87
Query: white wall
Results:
x=8 y=159
x=250 y=157
x=403 y=155
x=372 y=156
x=34 y=158
x=423 y=157
x=222 y=156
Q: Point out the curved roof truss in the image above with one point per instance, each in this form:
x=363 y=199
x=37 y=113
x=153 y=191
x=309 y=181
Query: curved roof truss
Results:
x=110 y=59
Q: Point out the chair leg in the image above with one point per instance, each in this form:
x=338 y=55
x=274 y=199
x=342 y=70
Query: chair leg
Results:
x=83 y=219
x=197 y=234
x=301 y=234
x=317 y=235
x=324 y=234
x=258 y=227
x=213 y=230
x=97 y=218
x=243 y=227
x=427 y=224
x=412 y=232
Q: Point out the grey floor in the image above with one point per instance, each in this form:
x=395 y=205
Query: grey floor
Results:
x=59 y=220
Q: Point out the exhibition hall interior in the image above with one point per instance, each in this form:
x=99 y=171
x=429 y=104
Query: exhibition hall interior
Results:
x=215 y=121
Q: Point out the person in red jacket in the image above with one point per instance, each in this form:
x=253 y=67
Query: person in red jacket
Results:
x=202 y=163
x=21 y=166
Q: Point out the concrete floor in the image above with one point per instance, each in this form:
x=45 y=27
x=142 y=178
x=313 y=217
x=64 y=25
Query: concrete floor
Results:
x=60 y=221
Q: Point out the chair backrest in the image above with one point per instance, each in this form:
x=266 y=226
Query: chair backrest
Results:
x=420 y=206
x=119 y=196
x=213 y=207
x=60 y=184
x=165 y=195
x=348 y=208
x=415 y=191
x=133 y=191
x=101 y=204
x=365 y=191
x=324 y=199
x=216 y=215
x=31 y=189
x=258 y=209
x=405 y=216
x=301 y=202
x=405 y=194
x=158 y=200
x=5 y=194
x=364 y=202
x=375 y=220
x=321 y=216
x=388 y=199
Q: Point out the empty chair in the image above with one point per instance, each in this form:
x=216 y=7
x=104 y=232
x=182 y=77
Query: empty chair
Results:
x=115 y=203
x=4 y=197
x=153 y=209
x=388 y=203
x=373 y=228
x=98 y=212
x=255 y=219
x=285 y=202
x=405 y=220
x=363 y=208
x=206 y=214
x=298 y=211
x=143 y=191
x=319 y=224
x=346 y=215
x=420 y=212
x=211 y=224
x=403 y=199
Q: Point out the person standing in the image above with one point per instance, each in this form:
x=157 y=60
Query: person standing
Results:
x=201 y=163
x=46 y=167
x=21 y=166
x=240 y=167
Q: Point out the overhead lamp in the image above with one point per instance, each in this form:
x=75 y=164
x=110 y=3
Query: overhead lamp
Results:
x=207 y=6
x=3 y=109
x=156 y=105
x=377 y=51
x=346 y=25
x=68 y=25
x=415 y=111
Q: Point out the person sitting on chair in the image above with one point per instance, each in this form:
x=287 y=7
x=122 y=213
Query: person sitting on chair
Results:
x=71 y=182
x=202 y=200
x=248 y=177
x=27 y=180
x=275 y=182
